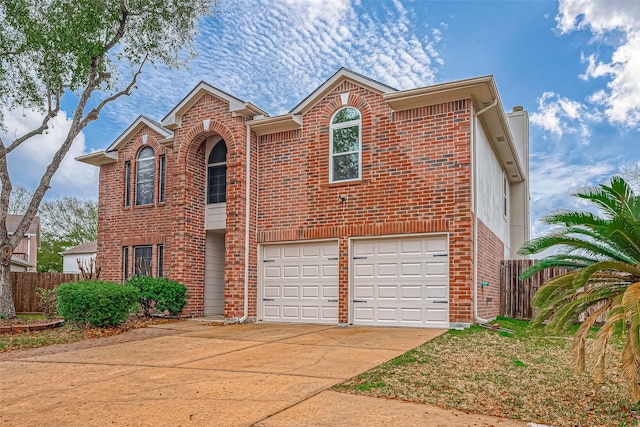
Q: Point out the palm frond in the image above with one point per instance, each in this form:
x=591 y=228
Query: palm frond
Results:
x=630 y=369
x=580 y=338
x=631 y=304
x=614 y=317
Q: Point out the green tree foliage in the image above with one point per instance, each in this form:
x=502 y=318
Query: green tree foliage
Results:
x=88 y=52
x=602 y=254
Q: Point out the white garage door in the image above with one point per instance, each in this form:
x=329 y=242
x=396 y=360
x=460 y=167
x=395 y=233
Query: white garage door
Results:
x=300 y=282
x=401 y=282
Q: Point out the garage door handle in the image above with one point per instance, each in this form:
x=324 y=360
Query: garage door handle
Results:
x=441 y=302
x=268 y=299
x=440 y=255
x=359 y=300
x=332 y=259
x=332 y=300
x=359 y=257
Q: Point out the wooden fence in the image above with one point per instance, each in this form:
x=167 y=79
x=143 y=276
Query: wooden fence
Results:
x=516 y=294
x=24 y=288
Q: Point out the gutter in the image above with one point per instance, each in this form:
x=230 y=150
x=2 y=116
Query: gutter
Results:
x=246 y=228
x=475 y=213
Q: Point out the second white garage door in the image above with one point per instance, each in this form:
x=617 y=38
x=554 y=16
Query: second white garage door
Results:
x=401 y=281
x=300 y=282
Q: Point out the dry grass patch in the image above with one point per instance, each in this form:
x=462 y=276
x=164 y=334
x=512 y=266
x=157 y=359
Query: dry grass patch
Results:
x=69 y=333
x=526 y=376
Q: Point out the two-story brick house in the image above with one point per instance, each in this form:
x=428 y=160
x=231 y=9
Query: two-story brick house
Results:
x=25 y=255
x=364 y=205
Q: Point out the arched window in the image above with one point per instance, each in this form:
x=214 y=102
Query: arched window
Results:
x=145 y=174
x=345 y=159
x=217 y=174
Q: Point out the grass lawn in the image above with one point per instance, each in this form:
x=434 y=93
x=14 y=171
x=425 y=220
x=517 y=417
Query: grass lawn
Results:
x=526 y=376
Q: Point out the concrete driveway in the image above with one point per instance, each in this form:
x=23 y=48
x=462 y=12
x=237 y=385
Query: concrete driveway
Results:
x=191 y=374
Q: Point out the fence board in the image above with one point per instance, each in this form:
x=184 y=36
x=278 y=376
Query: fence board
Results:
x=24 y=286
x=516 y=294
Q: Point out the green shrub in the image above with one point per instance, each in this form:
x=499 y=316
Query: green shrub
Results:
x=96 y=303
x=48 y=303
x=159 y=293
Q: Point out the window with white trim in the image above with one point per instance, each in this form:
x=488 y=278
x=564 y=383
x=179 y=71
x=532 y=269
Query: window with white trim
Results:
x=145 y=176
x=346 y=145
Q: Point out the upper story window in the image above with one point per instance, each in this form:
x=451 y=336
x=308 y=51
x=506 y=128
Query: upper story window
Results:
x=145 y=174
x=346 y=145
x=162 y=178
x=127 y=183
x=217 y=174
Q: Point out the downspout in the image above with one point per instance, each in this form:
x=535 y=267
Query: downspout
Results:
x=246 y=228
x=475 y=213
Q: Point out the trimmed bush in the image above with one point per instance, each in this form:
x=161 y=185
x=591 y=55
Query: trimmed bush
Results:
x=96 y=303
x=159 y=293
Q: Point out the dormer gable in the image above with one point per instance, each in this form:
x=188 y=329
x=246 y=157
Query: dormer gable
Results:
x=343 y=74
x=237 y=106
x=110 y=155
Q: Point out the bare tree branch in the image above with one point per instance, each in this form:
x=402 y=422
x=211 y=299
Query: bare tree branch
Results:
x=37 y=131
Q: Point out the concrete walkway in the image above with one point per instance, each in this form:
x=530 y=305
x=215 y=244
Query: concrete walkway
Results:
x=193 y=374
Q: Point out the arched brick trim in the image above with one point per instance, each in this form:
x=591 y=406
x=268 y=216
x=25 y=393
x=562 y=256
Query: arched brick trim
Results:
x=354 y=100
x=197 y=134
x=135 y=145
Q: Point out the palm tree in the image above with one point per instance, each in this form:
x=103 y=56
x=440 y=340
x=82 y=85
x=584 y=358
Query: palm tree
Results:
x=601 y=253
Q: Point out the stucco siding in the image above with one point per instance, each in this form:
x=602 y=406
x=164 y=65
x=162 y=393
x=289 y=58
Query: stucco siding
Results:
x=490 y=175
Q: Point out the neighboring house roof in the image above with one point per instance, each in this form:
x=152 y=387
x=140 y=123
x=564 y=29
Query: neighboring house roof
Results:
x=13 y=221
x=20 y=262
x=85 y=248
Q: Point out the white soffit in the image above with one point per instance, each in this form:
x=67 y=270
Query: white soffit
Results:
x=269 y=125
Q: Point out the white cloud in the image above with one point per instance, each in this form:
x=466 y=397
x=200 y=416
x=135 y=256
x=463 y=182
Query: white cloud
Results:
x=28 y=162
x=559 y=115
x=554 y=179
x=601 y=18
x=275 y=52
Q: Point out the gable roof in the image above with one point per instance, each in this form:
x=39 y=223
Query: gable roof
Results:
x=237 y=106
x=85 y=248
x=13 y=221
x=343 y=74
x=110 y=155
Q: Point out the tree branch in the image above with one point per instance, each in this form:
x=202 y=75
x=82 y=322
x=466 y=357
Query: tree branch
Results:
x=95 y=112
x=37 y=131
x=120 y=32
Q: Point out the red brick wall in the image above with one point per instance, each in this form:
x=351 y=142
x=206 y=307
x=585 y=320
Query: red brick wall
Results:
x=178 y=223
x=490 y=253
x=415 y=178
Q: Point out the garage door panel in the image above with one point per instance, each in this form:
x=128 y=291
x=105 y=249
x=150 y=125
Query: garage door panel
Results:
x=388 y=270
x=436 y=292
x=411 y=292
x=311 y=271
x=272 y=291
x=310 y=291
x=298 y=280
x=436 y=268
x=329 y=271
x=411 y=269
x=388 y=292
x=411 y=247
x=364 y=292
x=364 y=270
x=272 y=272
x=290 y=292
x=401 y=281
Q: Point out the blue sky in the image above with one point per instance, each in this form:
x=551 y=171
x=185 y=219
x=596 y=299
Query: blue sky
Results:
x=574 y=65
